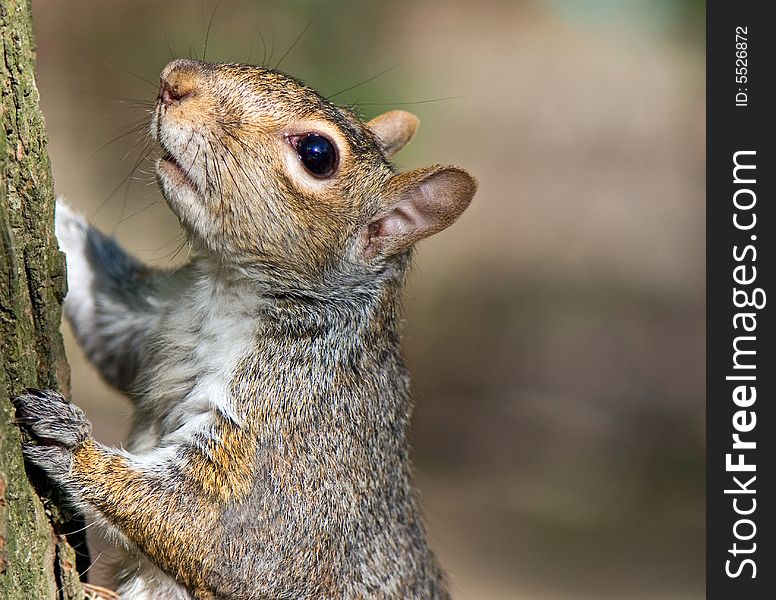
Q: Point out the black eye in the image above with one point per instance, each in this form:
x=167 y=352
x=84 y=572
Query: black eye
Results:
x=317 y=154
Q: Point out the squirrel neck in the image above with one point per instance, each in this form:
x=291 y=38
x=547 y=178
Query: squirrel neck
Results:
x=362 y=311
x=321 y=365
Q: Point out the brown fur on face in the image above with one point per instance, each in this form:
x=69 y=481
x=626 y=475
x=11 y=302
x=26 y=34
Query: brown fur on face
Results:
x=229 y=129
x=236 y=182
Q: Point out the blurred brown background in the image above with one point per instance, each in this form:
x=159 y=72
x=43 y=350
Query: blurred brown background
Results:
x=556 y=333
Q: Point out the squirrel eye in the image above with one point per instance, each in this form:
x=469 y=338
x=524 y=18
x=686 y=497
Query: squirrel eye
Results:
x=317 y=154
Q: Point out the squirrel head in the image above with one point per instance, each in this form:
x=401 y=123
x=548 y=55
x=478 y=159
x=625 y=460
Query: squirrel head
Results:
x=274 y=179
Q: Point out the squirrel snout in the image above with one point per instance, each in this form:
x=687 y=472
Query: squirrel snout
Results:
x=169 y=94
x=178 y=81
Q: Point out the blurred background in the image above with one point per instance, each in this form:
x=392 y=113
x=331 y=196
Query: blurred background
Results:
x=555 y=333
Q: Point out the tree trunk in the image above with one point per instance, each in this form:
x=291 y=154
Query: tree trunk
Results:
x=35 y=562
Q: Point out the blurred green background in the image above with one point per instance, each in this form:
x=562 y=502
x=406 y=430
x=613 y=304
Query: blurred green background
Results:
x=556 y=332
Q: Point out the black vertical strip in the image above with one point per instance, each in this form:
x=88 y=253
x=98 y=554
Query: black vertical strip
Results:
x=741 y=297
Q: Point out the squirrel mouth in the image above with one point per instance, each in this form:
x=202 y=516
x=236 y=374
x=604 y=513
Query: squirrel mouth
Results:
x=182 y=176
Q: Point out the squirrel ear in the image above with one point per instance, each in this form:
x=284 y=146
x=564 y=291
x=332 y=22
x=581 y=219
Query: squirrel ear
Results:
x=420 y=203
x=394 y=130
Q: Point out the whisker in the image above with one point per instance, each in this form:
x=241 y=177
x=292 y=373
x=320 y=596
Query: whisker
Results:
x=148 y=109
x=172 y=258
x=134 y=129
x=138 y=211
x=298 y=37
x=122 y=99
x=272 y=49
x=209 y=25
x=250 y=52
x=167 y=43
x=194 y=160
x=165 y=245
x=135 y=75
x=81 y=529
x=231 y=174
x=146 y=140
x=86 y=570
x=409 y=103
x=138 y=162
x=353 y=87
x=247 y=177
x=216 y=167
x=207 y=175
x=94 y=562
x=263 y=45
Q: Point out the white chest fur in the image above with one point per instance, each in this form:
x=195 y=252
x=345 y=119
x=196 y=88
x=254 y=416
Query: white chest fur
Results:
x=205 y=331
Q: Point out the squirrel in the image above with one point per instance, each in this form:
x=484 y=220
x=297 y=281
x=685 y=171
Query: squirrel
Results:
x=268 y=454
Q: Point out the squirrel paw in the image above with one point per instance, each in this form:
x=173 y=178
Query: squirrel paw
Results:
x=71 y=228
x=55 y=424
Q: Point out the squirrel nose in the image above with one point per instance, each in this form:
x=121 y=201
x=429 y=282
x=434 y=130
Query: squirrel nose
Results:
x=170 y=93
x=178 y=81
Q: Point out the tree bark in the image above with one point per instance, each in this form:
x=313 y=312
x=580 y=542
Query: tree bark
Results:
x=35 y=561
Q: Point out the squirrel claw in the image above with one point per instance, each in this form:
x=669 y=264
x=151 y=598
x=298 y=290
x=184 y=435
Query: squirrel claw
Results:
x=50 y=419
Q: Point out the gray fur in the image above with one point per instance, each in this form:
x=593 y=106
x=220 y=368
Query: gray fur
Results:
x=56 y=427
x=356 y=474
x=51 y=418
x=276 y=346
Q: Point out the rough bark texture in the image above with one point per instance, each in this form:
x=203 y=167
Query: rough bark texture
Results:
x=35 y=562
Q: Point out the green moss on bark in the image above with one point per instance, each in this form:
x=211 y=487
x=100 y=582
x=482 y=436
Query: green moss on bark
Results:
x=34 y=561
